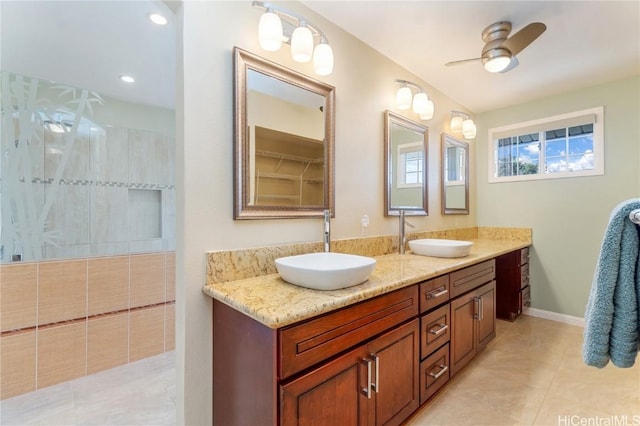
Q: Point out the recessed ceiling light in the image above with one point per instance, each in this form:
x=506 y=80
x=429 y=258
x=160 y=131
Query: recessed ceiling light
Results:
x=158 y=19
x=127 y=78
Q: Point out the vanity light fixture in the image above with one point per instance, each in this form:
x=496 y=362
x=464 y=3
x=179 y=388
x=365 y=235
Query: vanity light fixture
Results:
x=420 y=102
x=278 y=25
x=462 y=123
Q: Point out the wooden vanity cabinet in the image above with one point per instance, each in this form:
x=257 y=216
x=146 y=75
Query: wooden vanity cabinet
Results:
x=512 y=284
x=371 y=363
x=375 y=384
x=358 y=364
x=473 y=324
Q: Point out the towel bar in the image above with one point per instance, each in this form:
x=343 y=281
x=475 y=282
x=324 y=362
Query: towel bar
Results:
x=634 y=216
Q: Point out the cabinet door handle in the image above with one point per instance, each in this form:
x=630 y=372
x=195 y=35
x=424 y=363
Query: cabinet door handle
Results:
x=442 y=328
x=481 y=310
x=376 y=385
x=443 y=369
x=367 y=390
x=476 y=308
x=441 y=291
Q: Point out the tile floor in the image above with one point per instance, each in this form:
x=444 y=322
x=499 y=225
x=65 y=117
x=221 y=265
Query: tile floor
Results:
x=531 y=374
x=140 y=393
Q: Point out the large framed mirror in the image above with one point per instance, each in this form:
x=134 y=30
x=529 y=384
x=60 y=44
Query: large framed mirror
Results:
x=284 y=141
x=405 y=165
x=455 y=175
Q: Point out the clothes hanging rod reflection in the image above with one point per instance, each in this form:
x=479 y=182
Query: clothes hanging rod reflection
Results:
x=634 y=216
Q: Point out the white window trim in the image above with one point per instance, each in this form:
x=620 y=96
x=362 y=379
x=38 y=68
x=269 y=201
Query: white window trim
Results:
x=407 y=147
x=598 y=147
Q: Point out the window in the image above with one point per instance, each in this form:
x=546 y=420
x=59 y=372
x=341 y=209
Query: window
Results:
x=567 y=145
x=410 y=165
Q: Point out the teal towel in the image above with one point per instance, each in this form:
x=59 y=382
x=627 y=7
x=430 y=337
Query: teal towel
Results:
x=612 y=317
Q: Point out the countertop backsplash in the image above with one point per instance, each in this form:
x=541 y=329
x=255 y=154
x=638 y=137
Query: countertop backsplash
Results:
x=233 y=265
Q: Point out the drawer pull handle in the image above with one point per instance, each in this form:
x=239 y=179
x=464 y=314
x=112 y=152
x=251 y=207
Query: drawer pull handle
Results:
x=443 y=369
x=437 y=331
x=436 y=293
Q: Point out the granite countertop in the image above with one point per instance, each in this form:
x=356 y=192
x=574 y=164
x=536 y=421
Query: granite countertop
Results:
x=276 y=303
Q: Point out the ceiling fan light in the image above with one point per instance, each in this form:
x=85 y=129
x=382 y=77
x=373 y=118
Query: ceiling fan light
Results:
x=403 y=98
x=428 y=113
x=270 y=31
x=302 y=44
x=456 y=123
x=496 y=60
x=323 y=59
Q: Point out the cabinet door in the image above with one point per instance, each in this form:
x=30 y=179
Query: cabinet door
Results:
x=463 y=340
x=486 y=317
x=334 y=393
x=396 y=358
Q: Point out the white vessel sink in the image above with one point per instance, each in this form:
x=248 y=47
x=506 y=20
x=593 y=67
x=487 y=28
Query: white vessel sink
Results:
x=325 y=271
x=440 y=248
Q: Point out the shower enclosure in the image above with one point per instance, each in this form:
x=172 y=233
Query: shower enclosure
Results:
x=87 y=236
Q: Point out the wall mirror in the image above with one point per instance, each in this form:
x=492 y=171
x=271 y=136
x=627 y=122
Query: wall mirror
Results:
x=405 y=165
x=284 y=141
x=455 y=175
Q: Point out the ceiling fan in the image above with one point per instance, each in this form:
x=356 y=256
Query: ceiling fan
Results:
x=499 y=52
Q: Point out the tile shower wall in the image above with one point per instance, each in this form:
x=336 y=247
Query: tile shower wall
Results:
x=64 y=319
x=75 y=187
x=116 y=196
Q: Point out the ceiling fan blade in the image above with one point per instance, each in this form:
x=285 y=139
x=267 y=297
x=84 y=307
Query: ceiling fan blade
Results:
x=514 y=63
x=463 y=61
x=517 y=42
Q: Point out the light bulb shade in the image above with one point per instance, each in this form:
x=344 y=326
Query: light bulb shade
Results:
x=420 y=103
x=496 y=60
x=323 y=59
x=456 y=123
x=270 y=31
x=428 y=113
x=302 y=44
x=469 y=129
x=403 y=98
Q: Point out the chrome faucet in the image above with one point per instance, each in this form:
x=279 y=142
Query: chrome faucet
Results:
x=327 y=230
x=401 y=236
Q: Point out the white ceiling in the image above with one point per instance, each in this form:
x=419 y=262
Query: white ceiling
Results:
x=586 y=43
x=90 y=43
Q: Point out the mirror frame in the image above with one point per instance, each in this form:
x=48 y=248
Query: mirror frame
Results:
x=392 y=118
x=243 y=62
x=449 y=139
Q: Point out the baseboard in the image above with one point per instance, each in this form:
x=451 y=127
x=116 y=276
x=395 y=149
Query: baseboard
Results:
x=554 y=316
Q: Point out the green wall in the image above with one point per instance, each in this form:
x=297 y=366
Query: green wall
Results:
x=568 y=216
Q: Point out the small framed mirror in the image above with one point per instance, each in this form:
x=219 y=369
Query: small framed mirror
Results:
x=405 y=166
x=455 y=175
x=284 y=141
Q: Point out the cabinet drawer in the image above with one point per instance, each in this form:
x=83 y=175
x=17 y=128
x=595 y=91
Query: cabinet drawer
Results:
x=434 y=292
x=524 y=276
x=469 y=278
x=524 y=256
x=305 y=344
x=525 y=297
x=435 y=330
x=434 y=373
